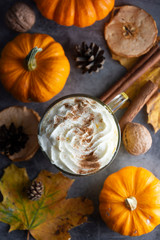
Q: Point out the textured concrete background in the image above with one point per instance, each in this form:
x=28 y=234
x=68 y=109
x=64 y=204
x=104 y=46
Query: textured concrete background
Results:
x=94 y=84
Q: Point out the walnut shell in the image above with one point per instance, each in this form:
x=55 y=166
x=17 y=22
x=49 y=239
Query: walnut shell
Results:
x=20 y=17
x=131 y=32
x=136 y=138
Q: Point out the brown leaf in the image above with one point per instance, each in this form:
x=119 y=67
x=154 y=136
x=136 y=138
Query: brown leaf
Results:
x=48 y=218
x=153 y=110
x=126 y=62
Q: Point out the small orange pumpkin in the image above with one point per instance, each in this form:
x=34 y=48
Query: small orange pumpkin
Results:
x=33 y=67
x=81 y=13
x=130 y=201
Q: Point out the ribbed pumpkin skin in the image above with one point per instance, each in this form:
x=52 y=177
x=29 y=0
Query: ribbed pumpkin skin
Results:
x=131 y=181
x=81 y=13
x=46 y=80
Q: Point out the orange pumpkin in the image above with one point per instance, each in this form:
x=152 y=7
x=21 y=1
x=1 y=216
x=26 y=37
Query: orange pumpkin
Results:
x=130 y=201
x=81 y=13
x=33 y=67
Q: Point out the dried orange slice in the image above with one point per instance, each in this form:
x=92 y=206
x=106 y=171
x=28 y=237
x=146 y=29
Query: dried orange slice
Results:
x=26 y=119
x=131 y=32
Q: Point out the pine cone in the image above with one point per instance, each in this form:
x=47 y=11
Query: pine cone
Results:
x=89 y=58
x=12 y=139
x=35 y=191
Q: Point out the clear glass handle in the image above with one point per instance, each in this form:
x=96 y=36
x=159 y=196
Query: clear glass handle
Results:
x=117 y=102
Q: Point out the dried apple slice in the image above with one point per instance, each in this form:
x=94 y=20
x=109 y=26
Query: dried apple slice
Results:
x=131 y=32
x=12 y=120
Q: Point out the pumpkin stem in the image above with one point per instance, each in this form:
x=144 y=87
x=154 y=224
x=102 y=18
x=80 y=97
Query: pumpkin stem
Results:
x=131 y=203
x=31 y=60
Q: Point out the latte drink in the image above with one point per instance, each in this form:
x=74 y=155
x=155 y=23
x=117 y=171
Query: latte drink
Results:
x=79 y=135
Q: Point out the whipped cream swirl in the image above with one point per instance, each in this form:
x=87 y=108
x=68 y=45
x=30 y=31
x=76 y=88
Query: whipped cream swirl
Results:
x=79 y=135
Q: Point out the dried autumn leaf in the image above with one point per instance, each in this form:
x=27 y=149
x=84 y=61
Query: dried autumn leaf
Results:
x=153 y=110
x=126 y=62
x=48 y=218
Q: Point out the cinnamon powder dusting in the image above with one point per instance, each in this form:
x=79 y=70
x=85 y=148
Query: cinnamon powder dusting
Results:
x=89 y=161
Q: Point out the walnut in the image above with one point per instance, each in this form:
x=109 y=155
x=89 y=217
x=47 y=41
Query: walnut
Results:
x=136 y=138
x=20 y=17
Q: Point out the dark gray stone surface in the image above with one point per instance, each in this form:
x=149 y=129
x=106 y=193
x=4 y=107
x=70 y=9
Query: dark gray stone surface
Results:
x=94 y=84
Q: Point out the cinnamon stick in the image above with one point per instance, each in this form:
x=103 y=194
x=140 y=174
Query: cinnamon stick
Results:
x=148 y=61
x=138 y=102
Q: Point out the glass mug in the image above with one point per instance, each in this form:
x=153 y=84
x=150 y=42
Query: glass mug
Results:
x=80 y=134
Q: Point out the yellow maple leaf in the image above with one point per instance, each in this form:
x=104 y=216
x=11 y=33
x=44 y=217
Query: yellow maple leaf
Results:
x=153 y=110
x=48 y=218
